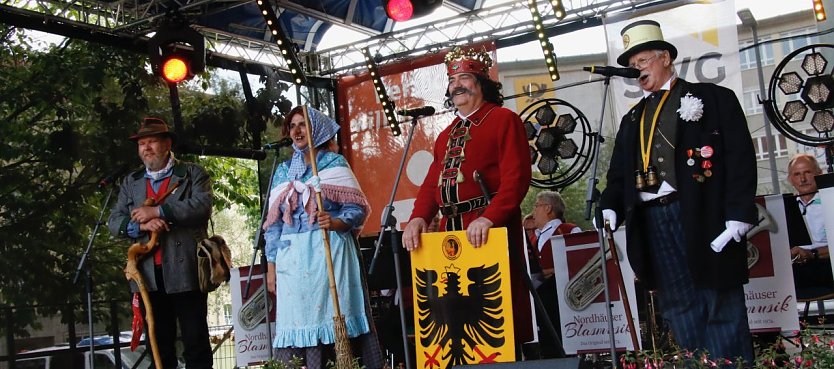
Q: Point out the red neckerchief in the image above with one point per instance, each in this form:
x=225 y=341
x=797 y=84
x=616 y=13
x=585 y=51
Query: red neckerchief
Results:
x=163 y=188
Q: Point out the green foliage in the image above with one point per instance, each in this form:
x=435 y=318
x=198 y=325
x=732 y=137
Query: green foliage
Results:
x=817 y=351
x=575 y=193
x=297 y=363
x=67 y=111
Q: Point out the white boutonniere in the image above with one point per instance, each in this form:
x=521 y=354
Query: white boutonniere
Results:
x=692 y=108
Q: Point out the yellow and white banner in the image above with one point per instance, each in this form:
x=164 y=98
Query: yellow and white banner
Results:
x=462 y=300
x=704 y=32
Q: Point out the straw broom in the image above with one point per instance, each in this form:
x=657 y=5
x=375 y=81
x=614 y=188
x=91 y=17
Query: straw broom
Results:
x=344 y=356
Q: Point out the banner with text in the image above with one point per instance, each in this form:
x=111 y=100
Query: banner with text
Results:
x=578 y=263
x=252 y=343
x=463 y=311
x=770 y=295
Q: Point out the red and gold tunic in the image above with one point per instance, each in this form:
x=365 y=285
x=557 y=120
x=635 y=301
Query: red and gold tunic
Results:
x=493 y=143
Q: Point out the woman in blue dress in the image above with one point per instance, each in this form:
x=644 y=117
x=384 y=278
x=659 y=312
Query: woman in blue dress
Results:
x=297 y=270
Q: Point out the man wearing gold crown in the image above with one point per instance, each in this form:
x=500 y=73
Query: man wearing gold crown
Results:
x=489 y=139
x=683 y=177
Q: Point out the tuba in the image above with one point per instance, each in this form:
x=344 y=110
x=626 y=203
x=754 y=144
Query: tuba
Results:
x=764 y=223
x=587 y=284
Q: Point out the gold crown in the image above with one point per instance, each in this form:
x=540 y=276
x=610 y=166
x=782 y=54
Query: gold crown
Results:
x=469 y=61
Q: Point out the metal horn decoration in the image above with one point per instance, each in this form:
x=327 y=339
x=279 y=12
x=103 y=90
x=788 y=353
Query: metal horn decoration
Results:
x=799 y=87
x=562 y=144
x=765 y=223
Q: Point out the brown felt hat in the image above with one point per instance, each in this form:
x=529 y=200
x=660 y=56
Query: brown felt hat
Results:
x=643 y=35
x=152 y=127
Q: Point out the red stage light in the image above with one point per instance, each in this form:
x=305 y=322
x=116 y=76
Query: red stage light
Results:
x=399 y=10
x=175 y=69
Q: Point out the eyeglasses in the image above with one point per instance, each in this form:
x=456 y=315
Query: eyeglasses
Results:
x=537 y=205
x=642 y=62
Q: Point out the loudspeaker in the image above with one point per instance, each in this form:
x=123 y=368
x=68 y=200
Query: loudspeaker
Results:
x=566 y=363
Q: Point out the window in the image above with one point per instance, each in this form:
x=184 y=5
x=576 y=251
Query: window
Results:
x=791 y=44
x=751 y=102
x=748 y=57
x=760 y=145
x=227 y=314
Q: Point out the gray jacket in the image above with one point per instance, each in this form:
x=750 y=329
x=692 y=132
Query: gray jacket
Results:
x=187 y=210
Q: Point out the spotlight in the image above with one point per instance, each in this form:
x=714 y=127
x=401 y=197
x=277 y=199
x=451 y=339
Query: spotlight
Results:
x=177 y=52
x=382 y=95
x=288 y=48
x=547 y=47
x=174 y=69
x=403 y=10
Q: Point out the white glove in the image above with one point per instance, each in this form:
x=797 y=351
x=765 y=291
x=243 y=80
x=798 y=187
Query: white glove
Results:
x=610 y=216
x=737 y=229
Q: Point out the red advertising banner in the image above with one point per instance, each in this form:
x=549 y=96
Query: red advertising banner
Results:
x=373 y=152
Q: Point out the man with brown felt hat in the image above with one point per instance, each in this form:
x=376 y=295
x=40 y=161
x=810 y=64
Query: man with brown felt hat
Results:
x=179 y=215
x=683 y=177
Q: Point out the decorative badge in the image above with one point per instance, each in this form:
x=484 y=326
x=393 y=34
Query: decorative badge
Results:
x=692 y=108
x=706 y=152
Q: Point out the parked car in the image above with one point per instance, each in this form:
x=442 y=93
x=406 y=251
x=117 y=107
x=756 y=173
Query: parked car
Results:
x=60 y=357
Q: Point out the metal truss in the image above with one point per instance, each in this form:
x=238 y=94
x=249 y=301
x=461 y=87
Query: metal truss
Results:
x=135 y=19
x=492 y=23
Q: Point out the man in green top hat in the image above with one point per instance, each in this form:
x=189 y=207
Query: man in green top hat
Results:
x=683 y=177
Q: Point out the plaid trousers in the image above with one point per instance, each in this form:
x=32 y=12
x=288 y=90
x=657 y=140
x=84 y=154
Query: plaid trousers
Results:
x=700 y=318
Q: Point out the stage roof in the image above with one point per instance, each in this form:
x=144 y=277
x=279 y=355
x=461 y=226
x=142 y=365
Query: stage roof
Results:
x=236 y=32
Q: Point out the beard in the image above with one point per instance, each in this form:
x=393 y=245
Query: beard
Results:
x=155 y=163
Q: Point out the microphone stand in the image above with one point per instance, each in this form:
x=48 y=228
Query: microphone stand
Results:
x=389 y=224
x=591 y=198
x=258 y=246
x=88 y=280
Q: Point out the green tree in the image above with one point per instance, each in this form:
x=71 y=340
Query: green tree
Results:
x=67 y=111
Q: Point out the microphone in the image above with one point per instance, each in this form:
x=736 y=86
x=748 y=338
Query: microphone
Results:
x=112 y=177
x=614 y=71
x=424 y=111
x=284 y=142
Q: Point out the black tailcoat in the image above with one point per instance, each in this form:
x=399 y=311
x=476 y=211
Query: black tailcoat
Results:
x=725 y=195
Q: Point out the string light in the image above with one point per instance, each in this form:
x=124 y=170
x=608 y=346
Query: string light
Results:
x=544 y=42
x=382 y=95
x=286 y=47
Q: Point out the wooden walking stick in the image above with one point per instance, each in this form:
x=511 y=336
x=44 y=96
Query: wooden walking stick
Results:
x=621 y=285
x=344 y=356
x=134 y=254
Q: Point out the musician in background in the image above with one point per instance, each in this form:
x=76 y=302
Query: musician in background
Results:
x=683 y=173
x=181 y=220
x=489 y=139
x=812 y=267
x=549 y=218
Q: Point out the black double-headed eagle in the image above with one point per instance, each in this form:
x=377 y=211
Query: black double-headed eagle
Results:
x=460 y=321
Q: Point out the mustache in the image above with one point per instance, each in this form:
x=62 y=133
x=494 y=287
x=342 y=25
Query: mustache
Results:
x=461 y=89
